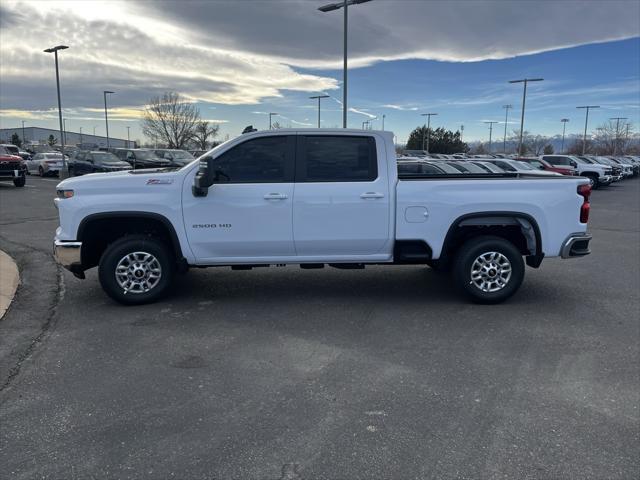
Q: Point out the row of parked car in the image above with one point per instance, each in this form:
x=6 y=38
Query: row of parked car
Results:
x=80 y=162
x=600 y=170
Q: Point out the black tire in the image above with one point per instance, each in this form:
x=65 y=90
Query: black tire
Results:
x=20 y=181
x=118 y=251
x=473 y=250
x=41 y=171
x=71 y=172
x=593 y=180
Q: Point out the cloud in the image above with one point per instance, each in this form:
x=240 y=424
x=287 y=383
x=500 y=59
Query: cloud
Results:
x=400 y=107
x=362 y=112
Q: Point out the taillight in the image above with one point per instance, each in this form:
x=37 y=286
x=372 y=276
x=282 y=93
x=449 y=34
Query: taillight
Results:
x=585 y=192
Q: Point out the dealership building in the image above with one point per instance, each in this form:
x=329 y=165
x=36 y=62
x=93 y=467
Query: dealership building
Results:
x=37 y=135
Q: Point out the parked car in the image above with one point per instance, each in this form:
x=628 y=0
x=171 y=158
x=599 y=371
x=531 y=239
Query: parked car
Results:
x=597 y=174
x=467 y=167
x=314 y=197
x=488 y=166
x=541 y=164
x=95 y=162
x=12 y=167
x=616 y=170
x=141 y=158
x=410 y=166
x=197 y=153
x=45 y=164
x=177 y=157
x=515 y=166
x=627 y=166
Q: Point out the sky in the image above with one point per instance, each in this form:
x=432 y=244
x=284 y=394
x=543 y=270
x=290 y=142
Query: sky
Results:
x=240 y=59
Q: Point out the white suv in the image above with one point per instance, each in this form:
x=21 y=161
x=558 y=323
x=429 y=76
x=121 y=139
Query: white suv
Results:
x=597 y=174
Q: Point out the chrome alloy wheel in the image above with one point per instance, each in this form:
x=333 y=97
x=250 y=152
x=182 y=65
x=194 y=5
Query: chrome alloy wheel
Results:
x=490 y=272
x=138 y=272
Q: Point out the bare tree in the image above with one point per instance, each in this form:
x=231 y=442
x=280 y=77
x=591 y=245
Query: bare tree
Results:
x=276 y=125
x=202 y=132
x=170 y=119
x=613 y=138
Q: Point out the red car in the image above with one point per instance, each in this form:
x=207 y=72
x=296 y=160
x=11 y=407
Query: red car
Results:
x=540 y=164
x=12 y=167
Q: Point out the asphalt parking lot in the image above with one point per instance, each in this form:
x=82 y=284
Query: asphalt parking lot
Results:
x=290 y=373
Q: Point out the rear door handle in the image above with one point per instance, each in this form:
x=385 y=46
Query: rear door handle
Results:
x=275 y=196
x=372 y=195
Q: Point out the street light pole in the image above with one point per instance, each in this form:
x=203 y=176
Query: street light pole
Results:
x=383 y=117
x=615 y=146
x=64 y=172
x=81 y=137
x=329 y=8
x=24 y=140
x=524 y=98
x=271 y=114
x=64 y=124
x=461 y=132
x=490 y=132
x=428 y=130
x=319 y=97
x=586 y=120
x=564 y=129
x=506 y=118
x=106 y=118
x=128 y=141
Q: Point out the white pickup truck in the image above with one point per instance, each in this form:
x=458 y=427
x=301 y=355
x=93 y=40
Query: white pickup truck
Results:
x=314 y=197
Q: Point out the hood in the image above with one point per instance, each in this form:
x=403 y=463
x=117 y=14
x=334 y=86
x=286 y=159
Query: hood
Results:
x=123 y=181
x=10 y=158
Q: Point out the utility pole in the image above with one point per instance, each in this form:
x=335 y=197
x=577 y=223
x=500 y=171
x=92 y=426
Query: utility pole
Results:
x=128 y=141
x=564 y=128
x=461 y=131
x=490 y=132
x=64 y=172
x=81 y=137
x=383 y=117
x=106 y=119
x=271 y=114
x=586 y=120
x=329 y=8
x=615 y=146
x=524 y=99
x=64 y=123
x=506 y=119
x=427 y=130
x=24 y=140
x=319 y=97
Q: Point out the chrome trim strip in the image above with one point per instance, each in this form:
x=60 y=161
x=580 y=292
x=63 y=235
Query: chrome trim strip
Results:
x=565 y=252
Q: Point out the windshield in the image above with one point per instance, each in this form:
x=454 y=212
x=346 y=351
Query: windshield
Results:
x=105 y=157
x=146 y=155
x=179 y=155
x=11 y=149
x=524 y=165
x=54 y=156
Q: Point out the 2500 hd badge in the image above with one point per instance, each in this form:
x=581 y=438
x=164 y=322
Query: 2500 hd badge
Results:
x=211 y=225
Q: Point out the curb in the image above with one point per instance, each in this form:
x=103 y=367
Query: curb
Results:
x=9 y=280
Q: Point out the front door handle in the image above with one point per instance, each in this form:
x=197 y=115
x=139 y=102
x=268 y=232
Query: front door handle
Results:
x=372 y=195
x=275 y=196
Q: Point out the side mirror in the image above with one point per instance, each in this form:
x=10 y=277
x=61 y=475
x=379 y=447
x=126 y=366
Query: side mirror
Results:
x=573 y=163
x=204 y=178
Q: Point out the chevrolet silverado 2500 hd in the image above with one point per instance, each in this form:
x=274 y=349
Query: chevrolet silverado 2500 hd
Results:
x=314 y=197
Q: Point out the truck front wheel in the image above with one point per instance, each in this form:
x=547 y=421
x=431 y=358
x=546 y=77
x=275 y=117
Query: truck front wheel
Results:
x=136 y=269
x=488 y=269
x=20 y=181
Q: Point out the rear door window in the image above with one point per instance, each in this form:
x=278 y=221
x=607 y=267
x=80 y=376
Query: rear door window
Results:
x=336 y=158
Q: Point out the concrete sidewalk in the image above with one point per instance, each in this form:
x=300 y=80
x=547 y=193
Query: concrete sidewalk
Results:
x=9 y=280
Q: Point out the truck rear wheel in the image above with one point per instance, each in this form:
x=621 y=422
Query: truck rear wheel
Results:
x=136 y=269
x=20 y=181
x=488 y=269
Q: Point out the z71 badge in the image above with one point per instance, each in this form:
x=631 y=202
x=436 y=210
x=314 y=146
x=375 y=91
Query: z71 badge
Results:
x=160 y=181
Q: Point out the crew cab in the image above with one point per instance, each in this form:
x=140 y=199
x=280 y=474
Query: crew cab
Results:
x=315 y=197
x=597 y=174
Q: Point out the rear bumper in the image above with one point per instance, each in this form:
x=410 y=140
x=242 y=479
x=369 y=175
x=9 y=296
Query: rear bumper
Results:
x=576 y=245
x=69 y=255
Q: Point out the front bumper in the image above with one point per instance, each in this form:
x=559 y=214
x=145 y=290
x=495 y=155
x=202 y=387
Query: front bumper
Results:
x=11 y=173
x=69 y=255
x=576 y=245
x=605 y=179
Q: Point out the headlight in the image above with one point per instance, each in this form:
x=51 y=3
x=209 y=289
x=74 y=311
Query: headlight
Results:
x=64 y=193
